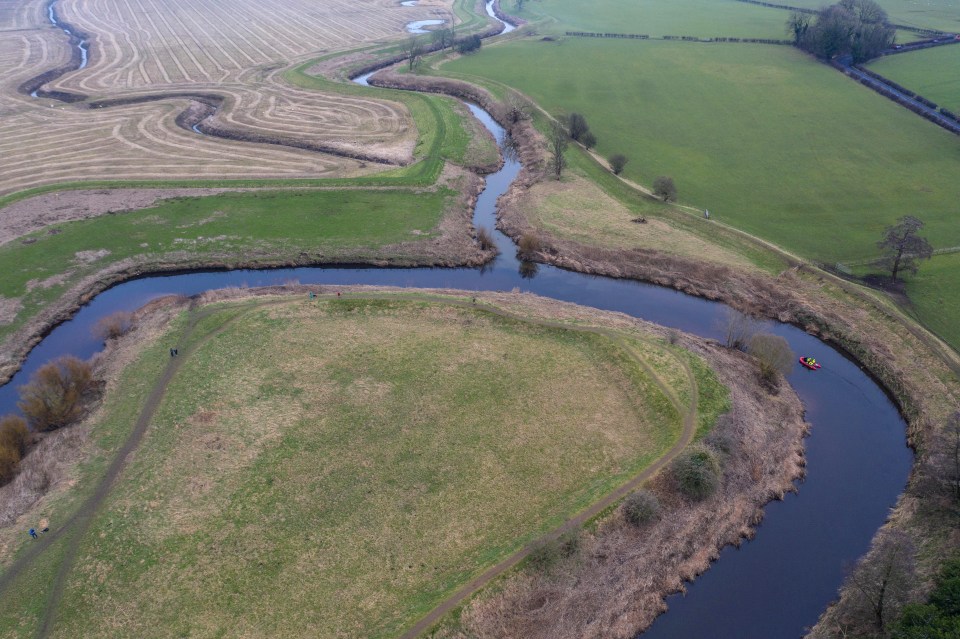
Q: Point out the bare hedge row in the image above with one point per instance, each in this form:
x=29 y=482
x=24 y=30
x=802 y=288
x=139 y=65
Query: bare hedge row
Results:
x=883 y=85
x=644 y=36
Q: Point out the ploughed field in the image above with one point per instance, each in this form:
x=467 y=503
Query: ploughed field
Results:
x=153 y=47
x=336 y=467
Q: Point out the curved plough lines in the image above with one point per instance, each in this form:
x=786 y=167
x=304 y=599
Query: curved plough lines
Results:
x=216 y=65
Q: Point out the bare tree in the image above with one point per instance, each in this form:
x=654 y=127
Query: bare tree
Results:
x=774 y=355
x=577 y=126
x=517 y=108
x=442 y=38
x=881 y=584
x=617 y=162
x=54 y=396
x=413 y=50
x=558 y=148
x=953 y=446
x=797 y=24
x=903 y=248
x=664 y=188
x=738 y=328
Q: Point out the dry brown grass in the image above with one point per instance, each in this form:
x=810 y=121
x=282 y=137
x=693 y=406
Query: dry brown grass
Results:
x=616 y=584
x=151 y=47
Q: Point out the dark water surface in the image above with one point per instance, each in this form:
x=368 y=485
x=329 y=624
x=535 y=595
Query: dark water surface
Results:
x=771 y=587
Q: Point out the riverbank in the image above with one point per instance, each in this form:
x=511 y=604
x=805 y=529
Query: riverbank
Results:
x=453 y=242
x=443 y=310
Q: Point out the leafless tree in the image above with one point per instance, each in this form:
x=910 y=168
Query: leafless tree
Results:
x=664 y=188
x=773 y=353
x=617 y=162
x=881 y=584
x=903 y=247
x=558 y=148
x=738 y=328
x=413 y=50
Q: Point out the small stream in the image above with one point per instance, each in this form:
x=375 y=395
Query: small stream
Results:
x=771 y=587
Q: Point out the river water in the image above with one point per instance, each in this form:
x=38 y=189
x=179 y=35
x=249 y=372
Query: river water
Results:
x=771 y=587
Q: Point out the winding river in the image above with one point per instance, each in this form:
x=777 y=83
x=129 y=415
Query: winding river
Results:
x=771 y=587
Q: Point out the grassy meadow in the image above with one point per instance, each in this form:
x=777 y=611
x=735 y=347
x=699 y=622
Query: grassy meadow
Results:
x=232 y=226
x=933 y=73
x=943 y=15
x=335 y=468
x=935 y=295
x=769 y=140
x=702 y=18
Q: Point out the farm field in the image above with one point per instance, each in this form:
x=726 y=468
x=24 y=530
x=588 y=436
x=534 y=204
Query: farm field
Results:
x=339 y=466
x=767 y=139
x=237 y=53
x=933 y=292
x=943 y=15
x=702 y=18
x=933 y=73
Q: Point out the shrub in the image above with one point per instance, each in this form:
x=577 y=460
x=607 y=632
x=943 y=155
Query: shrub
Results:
x=588 y=140
x=547 y=554
x=697 y=472
x=54 y=396
x=774 y=355
x=577 y=126
x=618 y=162
x=468 y=44
x=14 y=434
x=664 y=188
x=641 y=507
x=115 y=325
x=8 y=464
x=485 y=238
x=529 y=243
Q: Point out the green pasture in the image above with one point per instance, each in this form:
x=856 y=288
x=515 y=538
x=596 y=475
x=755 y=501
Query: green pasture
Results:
x=933 y=73
x=336 y=468
x=942 y=15
x=765 y=137
x=935 y=294
x=248 y=227
x=701 y=18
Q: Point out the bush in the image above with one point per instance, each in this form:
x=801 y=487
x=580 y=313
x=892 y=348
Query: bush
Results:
x=468 y=44
x=641 y=507
x=664 y=188
x=529 y=243
x=8 y=464
x=115 y=325
x=485 y=238
x=547 y=554
x=617 y=162
x=697 y=472
x=54 y=396
x=14 y=434
x=588 y=140
x=774 y=355
x=577 y=126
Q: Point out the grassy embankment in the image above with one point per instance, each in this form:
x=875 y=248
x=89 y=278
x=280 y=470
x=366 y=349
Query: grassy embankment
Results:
x=932 y=73
x=265 y=226
x=257 y=227
x=341 y=466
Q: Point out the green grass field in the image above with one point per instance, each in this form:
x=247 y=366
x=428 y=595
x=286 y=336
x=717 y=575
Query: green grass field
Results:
x=335 y=468
x=935 y=293
x=766 y=138
x=234 y=227
x=702 y=18
x=933 y=73
x=943 y=15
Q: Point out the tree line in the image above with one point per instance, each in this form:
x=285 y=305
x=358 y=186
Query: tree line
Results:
x=855 y=28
